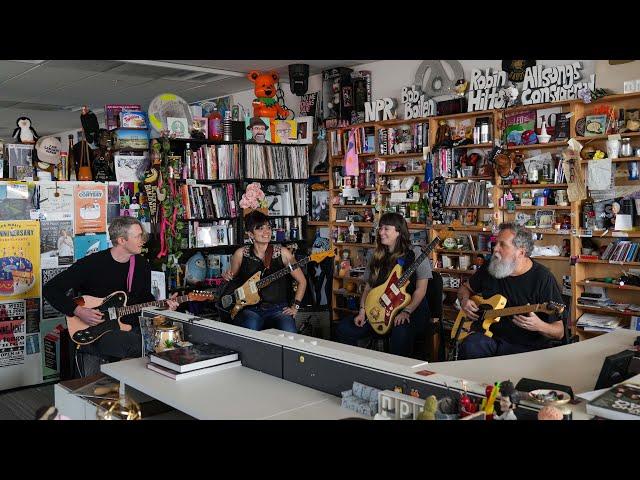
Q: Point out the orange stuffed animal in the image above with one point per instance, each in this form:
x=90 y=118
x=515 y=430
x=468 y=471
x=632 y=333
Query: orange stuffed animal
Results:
x=265 y=89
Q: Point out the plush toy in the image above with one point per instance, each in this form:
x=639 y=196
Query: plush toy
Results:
x=25 y=133
x=266 y=104
x=430 y=407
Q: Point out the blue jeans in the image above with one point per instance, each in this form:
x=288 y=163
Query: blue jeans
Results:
x=402 y=336
x=478 y=345
x=265 y=315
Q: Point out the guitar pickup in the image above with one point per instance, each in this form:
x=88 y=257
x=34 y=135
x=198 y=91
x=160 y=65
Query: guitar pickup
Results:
x=240 y=294
x=112 y=313
x=385 y=300
x=253 y=287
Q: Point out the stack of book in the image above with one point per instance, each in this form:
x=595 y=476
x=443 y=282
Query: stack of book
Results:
x=192 y=361
x=620 y=402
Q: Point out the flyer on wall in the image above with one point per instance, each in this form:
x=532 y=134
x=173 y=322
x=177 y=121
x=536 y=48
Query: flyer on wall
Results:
x=12 y=333
x=90 y=209
x=19 y=259
x=56 y=201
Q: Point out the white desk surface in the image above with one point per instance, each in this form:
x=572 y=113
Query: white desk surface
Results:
x=238 y=393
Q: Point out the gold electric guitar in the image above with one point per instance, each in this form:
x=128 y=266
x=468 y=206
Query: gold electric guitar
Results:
x=114 y=307
x=248 y=292
x=385 y=301
x=491 y=310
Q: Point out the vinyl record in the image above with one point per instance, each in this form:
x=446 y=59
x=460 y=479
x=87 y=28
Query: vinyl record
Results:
x=580 y=125
x=167 y=105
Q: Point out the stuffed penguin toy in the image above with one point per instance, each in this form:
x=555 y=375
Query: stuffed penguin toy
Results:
x=24 y=132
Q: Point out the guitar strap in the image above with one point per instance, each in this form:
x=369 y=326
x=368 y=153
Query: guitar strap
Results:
x=132 y=267
x=268 y=255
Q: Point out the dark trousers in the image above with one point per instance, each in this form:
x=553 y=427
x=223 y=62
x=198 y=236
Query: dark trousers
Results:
x=478 y=345
x=116 y=344
x=401 y=338
x=265 y=315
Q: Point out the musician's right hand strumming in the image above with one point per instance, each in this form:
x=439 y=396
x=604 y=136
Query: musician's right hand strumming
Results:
x=88 y=315
x=469 y=307
x=228 y=276
x=360 y=319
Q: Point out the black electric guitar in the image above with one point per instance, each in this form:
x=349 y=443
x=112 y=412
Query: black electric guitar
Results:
x=248 y=292
x=114 y=307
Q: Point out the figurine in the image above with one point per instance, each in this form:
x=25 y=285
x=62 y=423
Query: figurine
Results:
x=461 y=86
x=90 y=125
x=345 y=264
x=266 y=105
x=509 y=399
x=24 y=132
x=443 y=134
x=196 y=130
x=430 y=407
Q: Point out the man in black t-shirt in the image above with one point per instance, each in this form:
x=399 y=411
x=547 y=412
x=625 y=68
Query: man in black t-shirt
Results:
x=99 y=275
x=512 y=274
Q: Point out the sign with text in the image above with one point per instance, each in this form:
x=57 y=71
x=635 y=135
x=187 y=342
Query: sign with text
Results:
x=415 y=104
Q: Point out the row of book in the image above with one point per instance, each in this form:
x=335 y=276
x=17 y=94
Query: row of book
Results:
x=411 y=138
x=215 y=162
x=192 y=361
x=273 y=162
x=466 y=194
x=622 y=251
x=444 y=164
x=208 y=201
x=286 y=199
x=210 y=234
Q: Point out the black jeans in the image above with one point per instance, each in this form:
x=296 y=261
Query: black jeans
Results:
x=478 y=345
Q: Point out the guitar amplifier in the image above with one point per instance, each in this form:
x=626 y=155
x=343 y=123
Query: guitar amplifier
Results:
x=449 y=107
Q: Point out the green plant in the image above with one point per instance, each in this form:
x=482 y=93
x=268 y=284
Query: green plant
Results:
x=171 y=208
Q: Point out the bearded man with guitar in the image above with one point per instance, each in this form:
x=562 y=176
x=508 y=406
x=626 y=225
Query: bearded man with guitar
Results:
x=273 y=310
x=118 y=269
x=521 y=280
x=393 y=247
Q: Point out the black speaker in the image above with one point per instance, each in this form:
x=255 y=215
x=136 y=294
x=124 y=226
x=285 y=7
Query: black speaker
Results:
x=299 y=78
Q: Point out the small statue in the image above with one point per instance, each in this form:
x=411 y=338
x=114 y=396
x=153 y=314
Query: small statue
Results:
x=430 y=407
x=345 y=264
x=509 y=399
x=443 y=134
x=24 y=132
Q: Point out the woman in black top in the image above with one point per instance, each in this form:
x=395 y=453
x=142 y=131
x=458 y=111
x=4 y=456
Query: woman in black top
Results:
x=393 y=246
x=273 y=310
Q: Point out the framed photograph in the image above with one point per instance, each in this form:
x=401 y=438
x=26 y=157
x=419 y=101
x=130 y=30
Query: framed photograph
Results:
x=178 y=127
x=201 y=124
x=131 y=139
x=470 y=217
x=133 y=119
x=320 y=205
x=19 y=155
x=544 y=218
x=305 y=130
x=284 y=131
x=258 y=129
x=595 y=125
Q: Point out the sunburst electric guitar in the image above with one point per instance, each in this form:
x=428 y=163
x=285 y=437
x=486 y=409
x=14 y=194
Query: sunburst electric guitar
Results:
x=115 y=307
x=491 y=310
x=385 y=301
x=248 y=292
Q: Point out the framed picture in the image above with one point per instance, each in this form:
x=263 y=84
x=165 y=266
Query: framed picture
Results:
x=284 y=131
x=595 y=125
x=544 y=218
x=319 y=205
x=305 y=130
x=201 y=124
x=178 y=127
x=222 y=104
x=470 y=217
x=258 y=129
x=130 y=119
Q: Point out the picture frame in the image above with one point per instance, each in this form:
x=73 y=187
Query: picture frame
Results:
x=133 y=119
x=544 y=218
x=178 y=127
x=201 y=124
x=470 y=217
x=304 y=132
x=595 y=125
x=284 y=131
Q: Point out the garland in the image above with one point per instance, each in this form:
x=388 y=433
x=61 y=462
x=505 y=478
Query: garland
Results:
x=171 y=208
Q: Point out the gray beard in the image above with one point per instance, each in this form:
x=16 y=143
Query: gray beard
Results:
x=501 y=268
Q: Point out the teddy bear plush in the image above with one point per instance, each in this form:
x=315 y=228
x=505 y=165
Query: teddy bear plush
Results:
x=264 y=86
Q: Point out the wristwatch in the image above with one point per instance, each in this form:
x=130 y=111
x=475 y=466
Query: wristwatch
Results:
x=296 y=304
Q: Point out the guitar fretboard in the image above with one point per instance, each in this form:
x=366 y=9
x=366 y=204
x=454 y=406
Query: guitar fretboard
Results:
x=409 y=271
x=129 y=309
x=282 y=273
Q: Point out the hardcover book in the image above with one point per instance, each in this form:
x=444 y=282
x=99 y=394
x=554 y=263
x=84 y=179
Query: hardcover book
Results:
x=620 y=402
x=186 y=359
x=167 y=372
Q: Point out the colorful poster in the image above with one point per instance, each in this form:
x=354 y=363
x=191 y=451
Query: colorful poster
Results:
x=56 y=242
x=284 y=131
x=133 y=201
x=16 y=199
x=56 y=201
x=51 y=332
x=12 y=333
x=90 y=208
x=19 y=259
x=84 y=245
x=48 y=310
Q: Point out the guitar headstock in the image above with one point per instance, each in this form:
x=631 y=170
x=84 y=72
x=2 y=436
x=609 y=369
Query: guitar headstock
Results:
x=553 y=307
x=318 y=257
x=201 y=296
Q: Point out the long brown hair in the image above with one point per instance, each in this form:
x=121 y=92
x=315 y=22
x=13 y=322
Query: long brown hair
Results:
x=381 y=257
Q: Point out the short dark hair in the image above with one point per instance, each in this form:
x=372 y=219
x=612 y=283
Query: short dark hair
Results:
x=255 y=219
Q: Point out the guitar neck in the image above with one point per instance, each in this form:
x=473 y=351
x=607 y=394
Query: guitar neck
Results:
x=505 y=312
x=283 y=272
x=130 y=309
x=409 y=271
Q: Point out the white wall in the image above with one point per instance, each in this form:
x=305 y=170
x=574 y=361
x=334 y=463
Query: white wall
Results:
x=613 y=77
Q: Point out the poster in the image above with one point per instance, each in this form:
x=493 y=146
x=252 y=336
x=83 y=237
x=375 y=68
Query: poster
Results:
x=48 y=310
x=84 y=245
x=12 y=333
x=158 y=285
x=133 y=201
x=90 y=208
x=19 y=259
x=32 y=315
x=51 y=332
x=56 y=242
x=16 y=200
x=56 y=201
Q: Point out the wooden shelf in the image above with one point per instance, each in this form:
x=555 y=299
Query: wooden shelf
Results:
x=588 y=283
x=616 y=234
x=540 y=106
x=399 y=174
x=617 y=160
x=461 y=252
x=538 y=145
x=464 y=179
x=540 y=207
x=461 y=229
x=347 y=244
x=469 y=207
x=452 y=270
x=400 y=155
x=476 y=145
x=535 y=185
x=417 y=226
x=631 y=264
x=318 y=224
x=549 y=231
x=347 y=294
x=324 y=174
x=354 y=206
x=349 y=279
x=544 y=257
x=355 y=224
x=604 y=137
x=607 y=311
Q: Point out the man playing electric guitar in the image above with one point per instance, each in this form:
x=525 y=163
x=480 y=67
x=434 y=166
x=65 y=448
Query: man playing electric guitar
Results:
x=514 y=275
x=273 y=310
x=393 y=246
x=99 y=275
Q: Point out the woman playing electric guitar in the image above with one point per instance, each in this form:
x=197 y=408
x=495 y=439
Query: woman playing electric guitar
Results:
x=392 y=247
x=273 y=310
